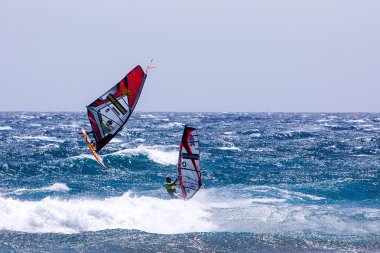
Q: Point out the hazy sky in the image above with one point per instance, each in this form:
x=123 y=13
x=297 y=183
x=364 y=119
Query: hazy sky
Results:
x=211 y=55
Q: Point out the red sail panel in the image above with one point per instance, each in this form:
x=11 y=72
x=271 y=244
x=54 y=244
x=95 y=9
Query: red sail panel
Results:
x=135 y=81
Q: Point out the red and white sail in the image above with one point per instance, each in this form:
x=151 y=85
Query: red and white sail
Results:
x=188 y=163
x=109 y=113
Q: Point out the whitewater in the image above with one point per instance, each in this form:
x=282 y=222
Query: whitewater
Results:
x=274 y=182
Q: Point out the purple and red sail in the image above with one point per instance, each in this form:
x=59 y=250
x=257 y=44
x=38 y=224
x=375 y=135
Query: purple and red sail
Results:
x=109 y=113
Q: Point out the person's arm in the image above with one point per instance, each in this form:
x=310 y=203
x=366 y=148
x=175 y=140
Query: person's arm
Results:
x=173 y=183
x=91 y=132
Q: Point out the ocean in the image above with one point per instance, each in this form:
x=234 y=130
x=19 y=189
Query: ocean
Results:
x=274 y=182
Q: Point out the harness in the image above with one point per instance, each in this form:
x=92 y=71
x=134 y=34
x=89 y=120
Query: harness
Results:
x=169 y=186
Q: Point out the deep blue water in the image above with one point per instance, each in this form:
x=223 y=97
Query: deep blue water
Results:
x=275 y=182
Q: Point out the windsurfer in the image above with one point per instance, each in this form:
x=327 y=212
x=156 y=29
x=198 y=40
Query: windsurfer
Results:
x=106 y=126
x=170 y=187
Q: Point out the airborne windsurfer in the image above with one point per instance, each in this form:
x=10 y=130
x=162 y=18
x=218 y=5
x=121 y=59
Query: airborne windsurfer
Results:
x=170 y=187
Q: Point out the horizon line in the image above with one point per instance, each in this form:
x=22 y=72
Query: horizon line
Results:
x=21 y=111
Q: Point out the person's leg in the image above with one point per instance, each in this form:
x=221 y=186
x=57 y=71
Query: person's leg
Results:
x=172 y=194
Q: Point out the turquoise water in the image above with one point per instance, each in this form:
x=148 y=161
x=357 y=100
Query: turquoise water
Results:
x=275 y=182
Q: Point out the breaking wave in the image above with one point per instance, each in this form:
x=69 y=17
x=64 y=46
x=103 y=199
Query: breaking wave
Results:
x=125 y=212
x=209 y=211
x=56 y=187
x=38 y=138
x=158 y=154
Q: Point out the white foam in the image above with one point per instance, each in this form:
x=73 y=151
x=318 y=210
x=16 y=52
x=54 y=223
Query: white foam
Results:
x=72 y=125
x=261 y=150
x=331 y=125
x=83 y=156
x=129 y=132
x=39 y=138
x=158 y=118
x=211 y=210
x=293 y=194
x=284 y=193
x=255 y=135
x=147 y=116
x=2 y=128
x=49 y=146
x=158 y=154
x=366 y=138
x=125 y=212
x=35 y=125
x=323 y=120
x=170 y=125
x=116 y=140
x=138 y=140
x=276 y=215
x=26 y=117
x=356 y=121
x=56 y=187
x=268 y=200
x=229 y=148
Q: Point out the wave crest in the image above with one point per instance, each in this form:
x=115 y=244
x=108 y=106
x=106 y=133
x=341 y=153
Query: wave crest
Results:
x=125 y=212
x=158 y=154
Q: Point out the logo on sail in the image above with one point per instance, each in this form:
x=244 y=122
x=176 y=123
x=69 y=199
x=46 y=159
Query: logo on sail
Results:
x=117 y=104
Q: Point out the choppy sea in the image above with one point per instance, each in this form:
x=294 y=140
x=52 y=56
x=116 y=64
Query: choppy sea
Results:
x=275 y=182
